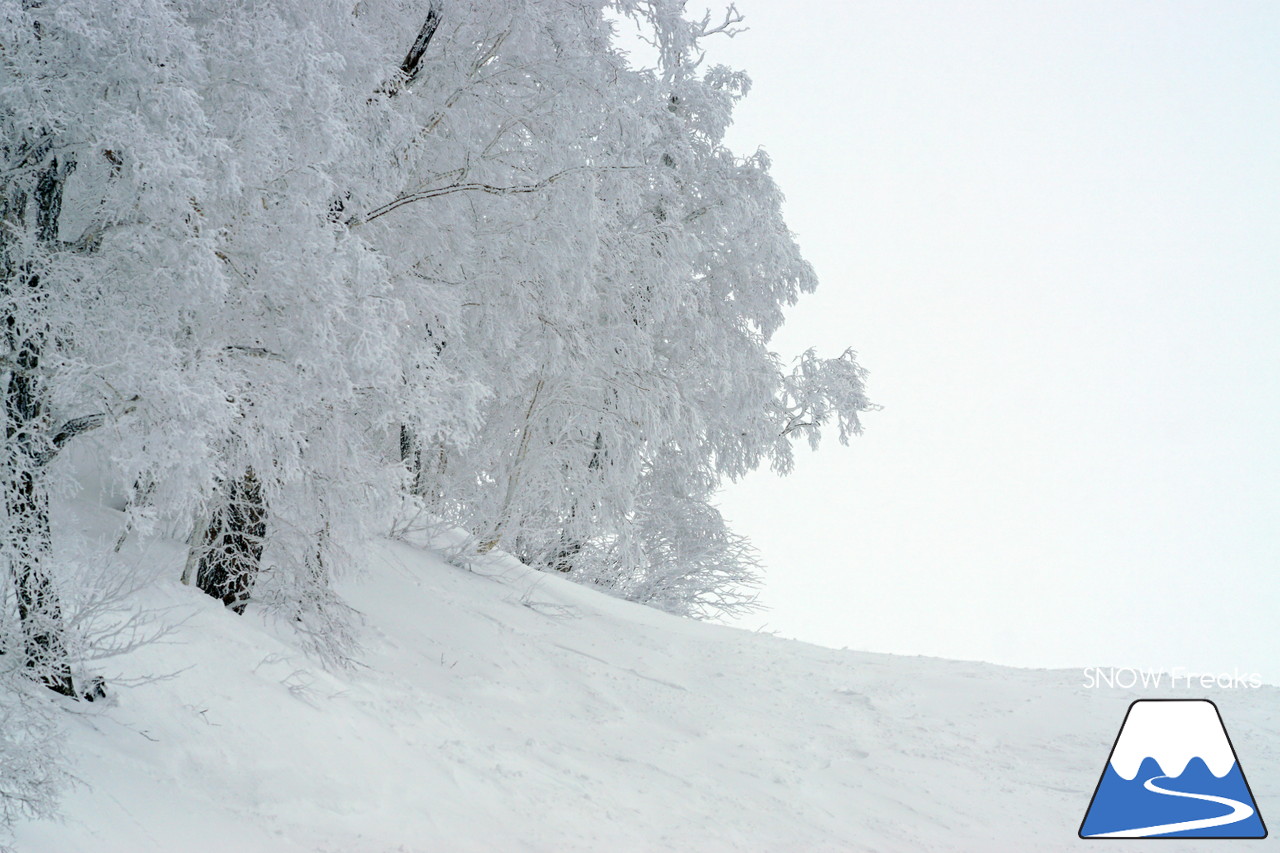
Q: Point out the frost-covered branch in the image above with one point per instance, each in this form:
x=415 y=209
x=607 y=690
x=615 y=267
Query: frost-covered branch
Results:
x=472 y=186
x=411 y=66
x=74 y=427
x=728 y=26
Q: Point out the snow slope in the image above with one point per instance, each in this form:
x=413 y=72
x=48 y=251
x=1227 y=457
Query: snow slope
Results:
x=501 y=709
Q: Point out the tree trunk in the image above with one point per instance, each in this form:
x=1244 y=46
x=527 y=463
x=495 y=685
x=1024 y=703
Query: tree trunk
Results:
x=411 y=458
x=231 y=554
x=570 y=544
x=29 y=445
x=513 y=479
x=195 y=548
x=39 y=611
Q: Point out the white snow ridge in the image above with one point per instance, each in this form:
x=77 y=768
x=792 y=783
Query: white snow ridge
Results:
x=1172 y=733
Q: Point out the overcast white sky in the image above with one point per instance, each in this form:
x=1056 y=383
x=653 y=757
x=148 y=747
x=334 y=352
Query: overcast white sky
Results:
x=1051 y=231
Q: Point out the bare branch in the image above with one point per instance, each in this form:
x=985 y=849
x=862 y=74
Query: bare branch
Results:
x=76 y=426
x=491 y=189
x=475 y=186
x=795 y=425
x=260 y=352
x=66 y=432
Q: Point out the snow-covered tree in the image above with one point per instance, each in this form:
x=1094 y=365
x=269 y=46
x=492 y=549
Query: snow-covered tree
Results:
x=290 y=258
x=101 y=159
x=621 y=275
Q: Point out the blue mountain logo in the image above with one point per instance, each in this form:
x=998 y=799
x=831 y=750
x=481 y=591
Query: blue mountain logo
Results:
x=1173 y=773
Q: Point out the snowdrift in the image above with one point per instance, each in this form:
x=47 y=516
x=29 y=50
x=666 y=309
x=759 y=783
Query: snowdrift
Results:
x=496 y=708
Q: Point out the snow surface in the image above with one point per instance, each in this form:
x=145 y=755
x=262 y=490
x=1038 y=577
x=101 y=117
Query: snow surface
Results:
x=498 y=709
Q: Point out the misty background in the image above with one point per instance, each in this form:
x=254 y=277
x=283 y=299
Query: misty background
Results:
x=1050 y=232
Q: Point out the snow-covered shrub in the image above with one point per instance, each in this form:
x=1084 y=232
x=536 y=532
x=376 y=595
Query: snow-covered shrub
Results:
x=32 y=761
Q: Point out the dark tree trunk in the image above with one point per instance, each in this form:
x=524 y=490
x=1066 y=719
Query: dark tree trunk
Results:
x=231 y=554
x=411 y=67
x=411 y=457
x=27 y=435
x=39 y=610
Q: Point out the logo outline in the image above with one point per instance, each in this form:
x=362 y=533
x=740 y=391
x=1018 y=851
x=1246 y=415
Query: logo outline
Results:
x=1235 y=755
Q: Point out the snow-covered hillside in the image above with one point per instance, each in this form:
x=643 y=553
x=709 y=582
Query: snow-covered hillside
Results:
x=497 y=708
